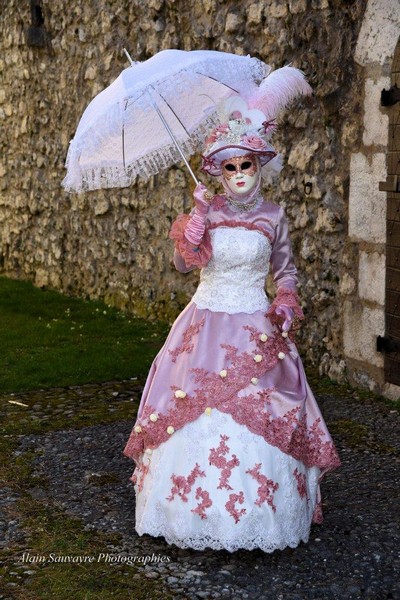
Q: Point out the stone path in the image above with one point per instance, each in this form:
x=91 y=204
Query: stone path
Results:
x=353 y=555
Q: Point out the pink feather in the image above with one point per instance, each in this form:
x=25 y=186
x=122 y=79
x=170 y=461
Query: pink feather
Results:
x=278 y=89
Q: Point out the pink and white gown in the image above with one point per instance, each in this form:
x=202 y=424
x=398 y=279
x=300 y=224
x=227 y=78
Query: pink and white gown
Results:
x=229 y=442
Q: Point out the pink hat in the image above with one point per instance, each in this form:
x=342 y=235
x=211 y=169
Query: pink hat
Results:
x=248 y=122
x=235 y=138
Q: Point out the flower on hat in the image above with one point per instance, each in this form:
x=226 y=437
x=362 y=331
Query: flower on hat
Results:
x=281 y=355
x=221 y=129
x=138 y=429
x=263 y=337
x=170 y=429
x=180 y=394
x=254 y=380
x=211 y=139
x=223 y=373
x=254 y=141
x=153 y=417
x=258 y=358
x=208 y=410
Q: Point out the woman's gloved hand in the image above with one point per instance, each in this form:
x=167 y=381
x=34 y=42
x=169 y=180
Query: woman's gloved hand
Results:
x=202 y=198
x=287 y=313
x=195 y=227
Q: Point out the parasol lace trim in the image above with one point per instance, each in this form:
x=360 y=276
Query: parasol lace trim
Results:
x=102 y=126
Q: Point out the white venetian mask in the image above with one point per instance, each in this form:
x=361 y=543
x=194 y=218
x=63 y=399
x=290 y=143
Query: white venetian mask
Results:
x=240 y=173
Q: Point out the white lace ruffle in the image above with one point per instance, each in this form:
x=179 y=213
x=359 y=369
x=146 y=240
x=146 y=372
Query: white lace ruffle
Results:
x=233 y=281
x=260 y=526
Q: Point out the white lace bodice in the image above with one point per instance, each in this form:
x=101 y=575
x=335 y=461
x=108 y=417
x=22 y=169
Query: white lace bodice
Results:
x=233 y=280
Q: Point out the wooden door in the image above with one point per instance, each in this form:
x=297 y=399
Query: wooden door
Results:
x=390 y=344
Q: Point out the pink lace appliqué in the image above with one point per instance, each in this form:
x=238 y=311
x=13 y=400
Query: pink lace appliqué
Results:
x=301 y=483
x=231 y=508
x=193 y=256
x=317 y=514
x=140 y=474
x=290 y=432
x=206 y=502
x=183 y=485
x=267 y=487
x=187 y=343
x=217 y=458
x=245 y=224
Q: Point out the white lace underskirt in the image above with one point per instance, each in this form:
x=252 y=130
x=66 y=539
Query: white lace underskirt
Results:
x=269 y=508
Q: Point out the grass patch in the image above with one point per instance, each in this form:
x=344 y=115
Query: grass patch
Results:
x=54 y=535
x=358 y=436
x=62 y=409
x=48 y=340
x=324 y=385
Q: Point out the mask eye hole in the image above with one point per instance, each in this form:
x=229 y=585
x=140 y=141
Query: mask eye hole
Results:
x=247 y=164
x=230 y=167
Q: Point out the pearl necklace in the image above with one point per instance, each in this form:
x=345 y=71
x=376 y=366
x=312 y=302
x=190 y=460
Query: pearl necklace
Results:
x=241 y=206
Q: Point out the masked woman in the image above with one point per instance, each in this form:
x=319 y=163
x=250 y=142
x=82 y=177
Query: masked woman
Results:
x=229 y=443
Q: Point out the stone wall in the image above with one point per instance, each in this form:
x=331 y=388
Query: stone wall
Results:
x=114 y=244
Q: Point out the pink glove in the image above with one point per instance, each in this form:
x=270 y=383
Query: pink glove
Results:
x=287 y=313
x=196 y=226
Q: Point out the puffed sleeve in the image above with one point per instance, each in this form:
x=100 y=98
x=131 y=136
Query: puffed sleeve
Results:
x=186 y=256
x=283 y=269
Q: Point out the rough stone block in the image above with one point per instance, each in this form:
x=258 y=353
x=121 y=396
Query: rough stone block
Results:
x=41 y=277
x=362 y=325
x=367 y=205
x=233 y=22
x=391 y=391
x=350 y=133
x=297 y=6
x=347 y=285
x=376 y=123
x=320 y=4
x=254 y=13
x=102 y=206
x=301 y=154
x=326 y=220
x=379 y=32
x=371 y=277
x=91 y=72
x=277 y=10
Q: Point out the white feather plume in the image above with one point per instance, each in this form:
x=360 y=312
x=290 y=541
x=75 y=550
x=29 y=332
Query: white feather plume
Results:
x=277 y=90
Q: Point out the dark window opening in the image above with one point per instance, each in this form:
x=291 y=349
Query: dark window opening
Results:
x=36 y=34
x=37 y=14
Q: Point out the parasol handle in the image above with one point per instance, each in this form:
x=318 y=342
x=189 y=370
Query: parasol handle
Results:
x=128 y=57
x=167 y=127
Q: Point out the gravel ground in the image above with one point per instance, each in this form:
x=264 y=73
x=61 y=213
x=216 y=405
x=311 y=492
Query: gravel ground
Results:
x=354 y=554
x=10 y=531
